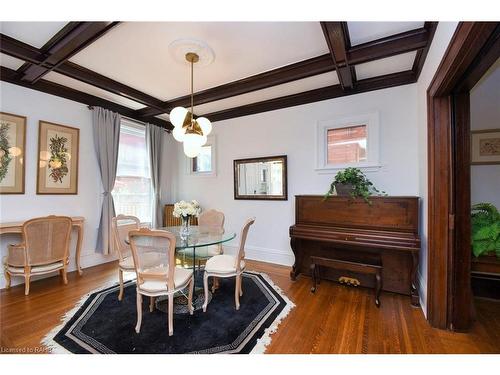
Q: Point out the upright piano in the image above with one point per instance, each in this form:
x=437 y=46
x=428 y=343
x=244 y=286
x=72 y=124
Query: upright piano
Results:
x=384 y=231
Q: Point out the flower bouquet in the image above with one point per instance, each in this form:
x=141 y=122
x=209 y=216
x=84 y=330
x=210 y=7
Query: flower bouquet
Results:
x=186 y=210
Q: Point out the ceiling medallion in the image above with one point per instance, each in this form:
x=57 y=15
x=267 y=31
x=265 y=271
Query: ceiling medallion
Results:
x=180 y=47
x=188 y=130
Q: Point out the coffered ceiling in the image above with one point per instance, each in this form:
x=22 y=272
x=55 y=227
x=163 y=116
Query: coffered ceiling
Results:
x=258 y=66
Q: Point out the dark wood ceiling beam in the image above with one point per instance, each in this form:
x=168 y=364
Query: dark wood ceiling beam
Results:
x=418 y=64
x=335 y=37
x=11 y=76
x=324 y=93
x=407 y=41
x=95 y=79
x=303 y=69
x=70 y=41
x=20 y=50
x=23 y=51
x=366 y=52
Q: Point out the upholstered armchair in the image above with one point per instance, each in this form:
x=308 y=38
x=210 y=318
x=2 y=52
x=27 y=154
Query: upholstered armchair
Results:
x=45 y=249
x=154 y=261
x=225 y=265
x=122 y=225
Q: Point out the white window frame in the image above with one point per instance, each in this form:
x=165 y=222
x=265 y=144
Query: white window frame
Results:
x=371 y=120
x=210 y=142
x=140 y=129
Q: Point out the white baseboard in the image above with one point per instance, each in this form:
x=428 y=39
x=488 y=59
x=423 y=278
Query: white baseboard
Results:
x=285 y=258
x=422 y=293
x=86 y=260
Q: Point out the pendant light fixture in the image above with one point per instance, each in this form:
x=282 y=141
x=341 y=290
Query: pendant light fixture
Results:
x=188 y=130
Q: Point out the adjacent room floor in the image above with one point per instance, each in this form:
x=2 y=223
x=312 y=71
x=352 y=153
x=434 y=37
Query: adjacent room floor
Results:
x=336 y=319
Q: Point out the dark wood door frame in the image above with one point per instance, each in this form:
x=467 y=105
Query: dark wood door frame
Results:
x=475 y=46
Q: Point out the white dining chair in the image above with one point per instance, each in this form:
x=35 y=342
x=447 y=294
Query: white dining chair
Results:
x=122 y=225
x=154 y=261
x=226 y=265
x=213 y=221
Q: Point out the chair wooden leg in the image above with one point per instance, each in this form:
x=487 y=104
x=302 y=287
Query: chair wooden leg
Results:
x=26 y=284
x=27 y=277
x=139 y=312
x=205 y=291
x=190 y=296
x=64 y=275
x=241 y=286
x=170 y=314
x=151 y=304
x=237 y=292
x=120 y=278
x=7 y=279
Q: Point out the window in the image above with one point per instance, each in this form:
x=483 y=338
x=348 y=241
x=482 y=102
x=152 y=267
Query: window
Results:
x=133 y=192
x=204 y=163
x=346 y=145
x=348 y=142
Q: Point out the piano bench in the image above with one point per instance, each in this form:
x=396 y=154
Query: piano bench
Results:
x=344 y=265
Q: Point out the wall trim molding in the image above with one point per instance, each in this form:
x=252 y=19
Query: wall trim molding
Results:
x=263 y=254
x=422 y=292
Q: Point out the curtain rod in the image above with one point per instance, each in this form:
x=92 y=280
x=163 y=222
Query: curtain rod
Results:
x=90 y=107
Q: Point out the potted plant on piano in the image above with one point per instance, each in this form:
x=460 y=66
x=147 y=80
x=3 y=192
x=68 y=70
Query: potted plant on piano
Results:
x=352 y=182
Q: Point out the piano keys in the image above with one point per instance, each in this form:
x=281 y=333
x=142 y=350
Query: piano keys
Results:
x=344 y=228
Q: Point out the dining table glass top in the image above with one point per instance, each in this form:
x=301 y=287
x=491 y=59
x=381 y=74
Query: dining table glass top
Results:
x=200 y=243
x=199 y=236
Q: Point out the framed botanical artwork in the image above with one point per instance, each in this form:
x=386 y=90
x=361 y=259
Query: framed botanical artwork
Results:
x=57 y=159
x=12 y=153
x=485 y=146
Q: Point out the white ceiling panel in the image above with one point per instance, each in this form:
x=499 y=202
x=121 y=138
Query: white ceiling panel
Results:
x=388 y=65
x=290 y=88
x=137 y=53
x=81 y=86
x=10 y=62
x=35 y=34
x=362 y=32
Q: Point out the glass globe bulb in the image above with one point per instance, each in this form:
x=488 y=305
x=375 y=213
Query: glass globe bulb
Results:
x=179 y=133
x=177 y=116
x=204 y=138
x=205 y=125
x=191 y=149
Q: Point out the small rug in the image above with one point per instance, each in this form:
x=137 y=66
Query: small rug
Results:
x=102 y=324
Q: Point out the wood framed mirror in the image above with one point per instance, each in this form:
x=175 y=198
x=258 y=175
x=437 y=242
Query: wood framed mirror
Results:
x=262 y=178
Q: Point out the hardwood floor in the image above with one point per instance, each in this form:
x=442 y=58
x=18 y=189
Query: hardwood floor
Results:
x=336 y=319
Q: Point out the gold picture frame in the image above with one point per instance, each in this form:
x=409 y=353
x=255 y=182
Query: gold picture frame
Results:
x=12 y=153
x=485 y=147
x=58 y=148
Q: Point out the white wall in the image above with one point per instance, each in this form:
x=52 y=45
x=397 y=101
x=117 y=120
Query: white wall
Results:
x=485 y=114
x=442 y=37
x=39 y=106
x=291 y=131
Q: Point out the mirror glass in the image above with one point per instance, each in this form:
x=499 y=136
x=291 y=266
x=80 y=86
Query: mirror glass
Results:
x=260 y=178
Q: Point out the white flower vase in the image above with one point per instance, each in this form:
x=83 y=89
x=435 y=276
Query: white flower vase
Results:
x=185 y=226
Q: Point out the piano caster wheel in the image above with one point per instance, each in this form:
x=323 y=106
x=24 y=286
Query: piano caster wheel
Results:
x=313 y=289
x=377 y=302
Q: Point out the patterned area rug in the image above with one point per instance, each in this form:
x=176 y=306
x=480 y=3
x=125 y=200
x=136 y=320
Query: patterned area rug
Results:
x=102 y=324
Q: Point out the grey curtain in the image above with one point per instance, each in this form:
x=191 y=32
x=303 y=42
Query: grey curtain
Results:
x=154 y=141
x=106 y=126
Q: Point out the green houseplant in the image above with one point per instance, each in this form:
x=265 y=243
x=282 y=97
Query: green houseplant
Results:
x=354 y=183
x=485 y=229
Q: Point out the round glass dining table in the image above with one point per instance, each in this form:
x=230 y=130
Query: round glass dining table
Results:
x=198 y=244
